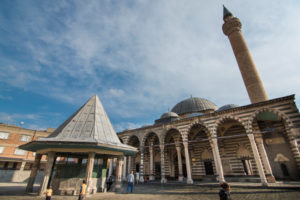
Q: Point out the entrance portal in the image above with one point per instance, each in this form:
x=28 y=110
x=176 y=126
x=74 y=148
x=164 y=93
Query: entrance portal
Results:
x=208 y=168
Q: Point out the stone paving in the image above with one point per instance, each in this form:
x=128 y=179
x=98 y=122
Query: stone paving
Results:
x=166 y=192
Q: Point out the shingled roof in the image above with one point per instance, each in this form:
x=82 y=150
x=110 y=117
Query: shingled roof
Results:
x=89 y=125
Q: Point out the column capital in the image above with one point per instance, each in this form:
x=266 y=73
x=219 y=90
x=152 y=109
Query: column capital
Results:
x=162 y=147
x=213 y=139
x=259 y=140
x=142 y=149
x=151 y=148
x=185 y=143
x=250 y=136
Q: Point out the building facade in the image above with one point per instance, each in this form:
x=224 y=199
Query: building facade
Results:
x=199 y=141
x=15 y=163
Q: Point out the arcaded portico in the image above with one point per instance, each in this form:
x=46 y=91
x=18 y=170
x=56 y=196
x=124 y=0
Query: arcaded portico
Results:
x=256 y=142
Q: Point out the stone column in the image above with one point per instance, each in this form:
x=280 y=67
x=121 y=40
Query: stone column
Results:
x=111 y=167
x=22 y=166
x=119 y=173
x=217 y=158
x=265 y=160
x=106 y=162
x=142 y=165
x=188 y=163
x=47 y=172
x=178 y=149
x=129 y=164
x=33 y=173
x=232 y=28
x=162 y=164
x=124 y=177
x=89 y=172
x=151 y=177
x=257 y=160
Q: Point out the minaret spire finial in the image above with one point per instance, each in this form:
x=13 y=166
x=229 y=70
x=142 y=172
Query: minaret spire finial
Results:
x=226 y=12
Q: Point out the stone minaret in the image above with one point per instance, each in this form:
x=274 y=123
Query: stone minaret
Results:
x=232 y=28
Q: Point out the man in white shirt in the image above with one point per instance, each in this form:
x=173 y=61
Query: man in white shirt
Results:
x=130 y=180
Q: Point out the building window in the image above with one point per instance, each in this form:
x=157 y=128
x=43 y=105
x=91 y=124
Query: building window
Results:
x=20 y=152
x=25 y=138
x=4 y=135
x=1 y=149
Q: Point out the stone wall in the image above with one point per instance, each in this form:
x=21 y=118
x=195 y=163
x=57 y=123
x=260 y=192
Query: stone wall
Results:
x=71 y=186
x=18 y=176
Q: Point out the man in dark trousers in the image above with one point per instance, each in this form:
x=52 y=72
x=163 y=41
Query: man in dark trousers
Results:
x=109 y=182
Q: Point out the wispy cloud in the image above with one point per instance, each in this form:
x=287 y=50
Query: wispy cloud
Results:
x=143 y=57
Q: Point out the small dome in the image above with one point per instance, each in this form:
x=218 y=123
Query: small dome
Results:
x=168 y=114
x=192 y=105
x=228 y=106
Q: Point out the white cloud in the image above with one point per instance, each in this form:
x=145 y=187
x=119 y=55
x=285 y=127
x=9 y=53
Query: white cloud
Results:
x=16 y=118
x=143 y=58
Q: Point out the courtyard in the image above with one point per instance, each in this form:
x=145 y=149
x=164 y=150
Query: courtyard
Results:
x=208 y=191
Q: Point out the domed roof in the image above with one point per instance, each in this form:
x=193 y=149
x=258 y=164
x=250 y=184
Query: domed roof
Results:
x=168 y=114
x=228 y=106
x=194 y=104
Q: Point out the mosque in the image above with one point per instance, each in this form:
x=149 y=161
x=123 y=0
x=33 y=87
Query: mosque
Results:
x=195 y=141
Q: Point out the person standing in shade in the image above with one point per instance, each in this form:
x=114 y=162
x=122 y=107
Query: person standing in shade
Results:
x=225 y=192
x=49 y=193
x=130 y=180
x=137 y=176
x=109 y=183
x=82 y=190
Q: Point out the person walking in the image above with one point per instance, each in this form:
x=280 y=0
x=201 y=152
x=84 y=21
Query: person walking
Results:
x=225 y=191
x=82 y=190
x=130 y=180
x=49 y=193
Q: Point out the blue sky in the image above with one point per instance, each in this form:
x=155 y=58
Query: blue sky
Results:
x=140 y=57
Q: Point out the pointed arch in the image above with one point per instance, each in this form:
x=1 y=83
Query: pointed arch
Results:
x=226 y=118
x=283 y=116
x=134 y=140
x=165 y=134
x=145 y=137
x=201 y=124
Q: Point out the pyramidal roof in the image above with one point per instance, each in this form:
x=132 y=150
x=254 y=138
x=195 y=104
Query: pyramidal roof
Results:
x=88 y=124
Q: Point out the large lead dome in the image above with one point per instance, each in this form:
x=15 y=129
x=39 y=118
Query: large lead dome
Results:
x=194 y=104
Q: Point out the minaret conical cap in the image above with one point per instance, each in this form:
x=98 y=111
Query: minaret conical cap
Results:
x=226 y=12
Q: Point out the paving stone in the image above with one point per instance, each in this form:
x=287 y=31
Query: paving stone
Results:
x=167 y=192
